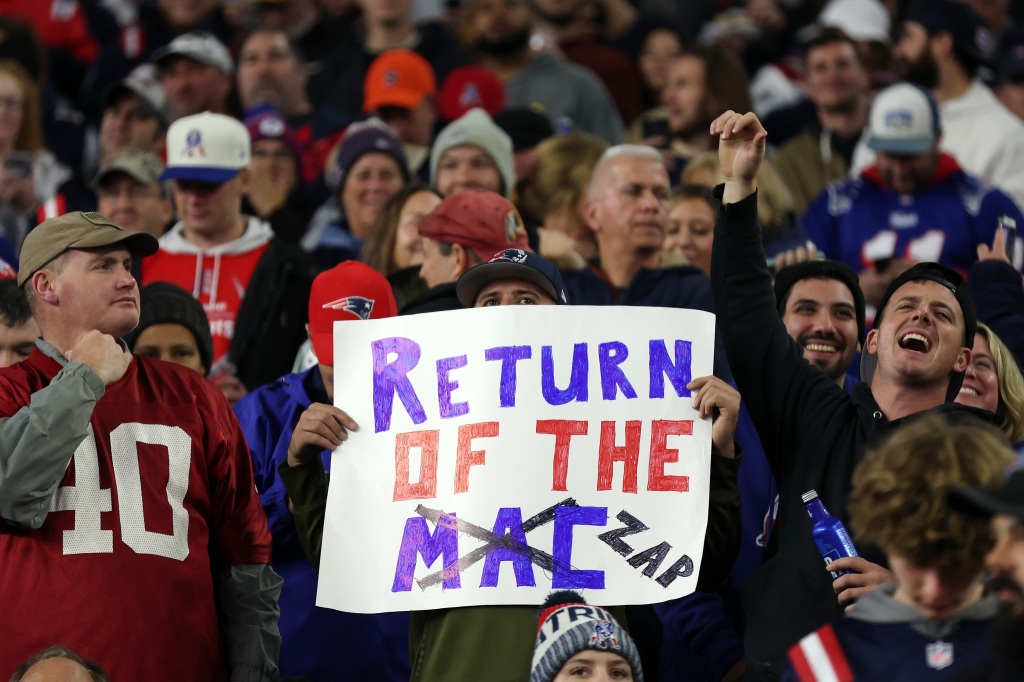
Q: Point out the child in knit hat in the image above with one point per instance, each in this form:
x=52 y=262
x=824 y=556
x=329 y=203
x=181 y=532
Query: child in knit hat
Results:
x=577 y=641
x=173 y=327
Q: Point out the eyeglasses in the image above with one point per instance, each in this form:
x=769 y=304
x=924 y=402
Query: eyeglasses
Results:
x=12 y=103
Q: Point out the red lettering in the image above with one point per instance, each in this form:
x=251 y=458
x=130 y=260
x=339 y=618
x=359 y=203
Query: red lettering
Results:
x=426 y=441
x=657 y=479
x=610 y=453
x=466 y=457
x=563 y=430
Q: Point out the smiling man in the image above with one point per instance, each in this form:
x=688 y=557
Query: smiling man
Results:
x=822 y=306
x=813 y=432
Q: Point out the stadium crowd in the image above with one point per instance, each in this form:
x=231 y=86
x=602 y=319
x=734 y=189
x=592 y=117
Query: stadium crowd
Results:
x=193 y=193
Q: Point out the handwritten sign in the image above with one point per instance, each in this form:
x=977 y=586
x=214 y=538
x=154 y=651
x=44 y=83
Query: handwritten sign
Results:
x=505 y=452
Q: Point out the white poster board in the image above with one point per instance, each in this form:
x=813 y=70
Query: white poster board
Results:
x=505 y=452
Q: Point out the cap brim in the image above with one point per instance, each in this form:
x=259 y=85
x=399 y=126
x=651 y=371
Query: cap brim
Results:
x=401 y=100
x=211 y=175
x=909 y=146
x=477 y=277
x=117 y=169
x=988 y=501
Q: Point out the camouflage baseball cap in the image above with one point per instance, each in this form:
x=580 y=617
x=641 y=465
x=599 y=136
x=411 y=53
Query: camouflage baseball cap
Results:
x=77 y=231
x=144 y=167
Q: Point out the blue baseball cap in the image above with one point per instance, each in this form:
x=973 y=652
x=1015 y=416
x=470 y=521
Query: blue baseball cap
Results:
x=512 y=264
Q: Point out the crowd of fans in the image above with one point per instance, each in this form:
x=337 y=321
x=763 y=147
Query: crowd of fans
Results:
x=202 y=182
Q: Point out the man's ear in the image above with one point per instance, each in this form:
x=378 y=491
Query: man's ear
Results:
x=963 y=360
x=308 y=335
x=590 y=214
x=460 y=261
x=43 y=283
x=872 y=342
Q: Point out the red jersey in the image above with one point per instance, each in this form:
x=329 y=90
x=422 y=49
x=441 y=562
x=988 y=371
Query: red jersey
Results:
x=216 y=277
x=157 y=500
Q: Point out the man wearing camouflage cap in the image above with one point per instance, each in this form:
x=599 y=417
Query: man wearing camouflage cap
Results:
x=130 y=193
x=124 y=481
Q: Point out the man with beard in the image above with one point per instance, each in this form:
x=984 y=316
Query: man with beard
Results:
x=813 y=432
x=822 y=306
x=272 y=73
x=572 y=97
x=943 y=42
x=1006 y=564
x=836 y=81
x=914 y=204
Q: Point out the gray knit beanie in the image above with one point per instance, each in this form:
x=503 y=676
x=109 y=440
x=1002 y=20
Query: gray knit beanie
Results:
x=476 y=128
x=567 y=626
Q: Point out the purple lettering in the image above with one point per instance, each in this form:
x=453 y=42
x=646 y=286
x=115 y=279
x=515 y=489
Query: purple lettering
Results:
x=392 y=377
x=509 y=356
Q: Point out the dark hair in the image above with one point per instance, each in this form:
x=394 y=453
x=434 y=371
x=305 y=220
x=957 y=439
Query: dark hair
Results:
x=694 y=192
x=831 y=35
x=726 y=82
x=14 y=309
x=95 y=671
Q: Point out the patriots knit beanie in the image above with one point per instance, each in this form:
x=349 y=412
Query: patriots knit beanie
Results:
x=567 y=625
x=371 y=135
x=477 y=129
x=165 y=303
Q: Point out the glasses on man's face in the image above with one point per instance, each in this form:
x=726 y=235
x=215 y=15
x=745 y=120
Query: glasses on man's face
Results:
x=11 y=103
x=133 y=192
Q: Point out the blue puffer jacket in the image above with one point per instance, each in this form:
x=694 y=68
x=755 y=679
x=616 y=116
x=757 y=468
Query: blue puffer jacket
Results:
x=318 y=643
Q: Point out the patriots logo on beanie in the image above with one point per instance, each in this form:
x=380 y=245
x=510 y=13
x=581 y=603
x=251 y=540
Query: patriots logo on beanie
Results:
x=357 y=305
x=567 y=626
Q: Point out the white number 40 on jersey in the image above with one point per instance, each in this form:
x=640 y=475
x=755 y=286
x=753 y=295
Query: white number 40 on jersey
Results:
x=88 y=500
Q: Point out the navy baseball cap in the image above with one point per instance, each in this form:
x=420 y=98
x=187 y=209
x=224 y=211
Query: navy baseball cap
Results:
x=1007 y=499
x=958 y=19
x=512 y=264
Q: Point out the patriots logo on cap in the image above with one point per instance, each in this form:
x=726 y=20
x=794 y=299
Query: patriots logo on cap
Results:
x=272 y=127
x=390 y=78
x=899 y=118
x=513 y=255
x=514 y=226
x=470 y=95
x=604 y=636
x=194 y=144
x=357 y=305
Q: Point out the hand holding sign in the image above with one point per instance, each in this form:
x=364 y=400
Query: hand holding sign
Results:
x=721 y=402
x=321 y=427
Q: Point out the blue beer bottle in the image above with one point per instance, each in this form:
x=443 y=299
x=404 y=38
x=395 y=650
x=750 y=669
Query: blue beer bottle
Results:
x=828 y=532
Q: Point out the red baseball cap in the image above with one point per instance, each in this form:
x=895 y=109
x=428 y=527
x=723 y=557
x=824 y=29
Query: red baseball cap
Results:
x=398 y=78
x=477 y=219
x=349 y=291
x=469 y=87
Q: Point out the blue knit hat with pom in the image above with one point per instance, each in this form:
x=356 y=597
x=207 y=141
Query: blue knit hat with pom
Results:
x=567 y=625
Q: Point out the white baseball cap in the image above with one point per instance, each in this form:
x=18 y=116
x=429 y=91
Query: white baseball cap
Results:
x=198 y=46
x=865 y=20
x=206 y=147
x=904 y=120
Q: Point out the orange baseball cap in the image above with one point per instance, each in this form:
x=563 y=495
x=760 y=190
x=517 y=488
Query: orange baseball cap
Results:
x=398 y=78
